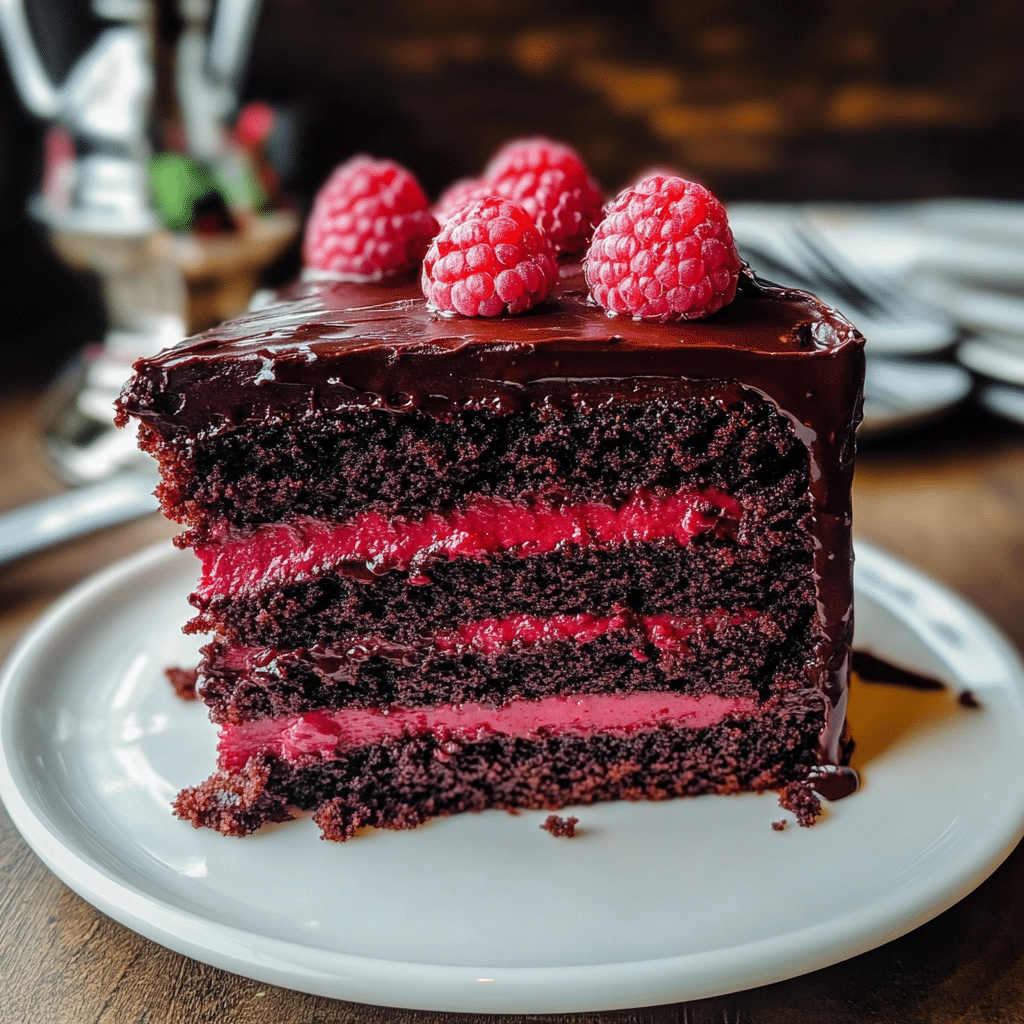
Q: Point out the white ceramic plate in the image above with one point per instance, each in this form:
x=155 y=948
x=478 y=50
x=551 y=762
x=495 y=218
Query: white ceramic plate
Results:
x=998 y=357
x=1004 y=401
x=902 y=393
x=651 y=903
x=975 y=306
x=1002 y=359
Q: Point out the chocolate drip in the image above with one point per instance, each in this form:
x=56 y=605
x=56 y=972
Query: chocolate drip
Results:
x=833 y=782
x=873 y=669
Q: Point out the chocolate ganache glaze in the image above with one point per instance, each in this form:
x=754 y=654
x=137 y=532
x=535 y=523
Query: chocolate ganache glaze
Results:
x=328 y=345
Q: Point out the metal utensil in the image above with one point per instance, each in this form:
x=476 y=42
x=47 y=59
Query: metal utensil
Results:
x=79 y=511
x=785 y=246
x=95 y=196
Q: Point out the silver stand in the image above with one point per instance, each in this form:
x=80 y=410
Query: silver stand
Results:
x=95 y=201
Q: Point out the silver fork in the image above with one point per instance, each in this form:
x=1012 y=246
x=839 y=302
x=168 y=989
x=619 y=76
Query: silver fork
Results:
x=788 y=248
x=874 y=298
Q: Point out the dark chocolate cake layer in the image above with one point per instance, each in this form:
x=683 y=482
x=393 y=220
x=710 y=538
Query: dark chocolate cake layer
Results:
x=753 y=657
x=374 y=355
x=401 y=783
x=332 y=464
x=771 y=573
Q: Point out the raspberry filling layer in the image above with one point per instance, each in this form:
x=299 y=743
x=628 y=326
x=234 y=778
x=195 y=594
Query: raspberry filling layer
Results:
x=326 y=735
x=376 y=543
x=667 y=633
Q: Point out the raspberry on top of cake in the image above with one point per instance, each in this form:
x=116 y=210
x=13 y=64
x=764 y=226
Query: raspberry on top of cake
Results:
x=521 y=557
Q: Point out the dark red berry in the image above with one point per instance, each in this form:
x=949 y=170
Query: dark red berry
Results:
x=488 y=259
x=370 y=220
x=551 y=182
x=663 y=252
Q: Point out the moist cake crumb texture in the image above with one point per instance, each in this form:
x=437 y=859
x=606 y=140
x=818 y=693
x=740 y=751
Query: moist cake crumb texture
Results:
x=562 y=828
x=537 y=562
x=184 y=681
x=799 y=798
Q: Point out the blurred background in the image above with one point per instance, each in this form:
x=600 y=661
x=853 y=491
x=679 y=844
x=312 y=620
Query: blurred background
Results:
x=157 y=158
x=790 y=100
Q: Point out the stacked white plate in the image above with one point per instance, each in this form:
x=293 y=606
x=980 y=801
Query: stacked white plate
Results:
x=960 y=262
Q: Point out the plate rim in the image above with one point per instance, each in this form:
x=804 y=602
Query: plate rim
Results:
x=478 y=988
x=874 y=425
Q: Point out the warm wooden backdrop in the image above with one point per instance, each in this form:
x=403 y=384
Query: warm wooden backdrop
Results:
x=793 y=98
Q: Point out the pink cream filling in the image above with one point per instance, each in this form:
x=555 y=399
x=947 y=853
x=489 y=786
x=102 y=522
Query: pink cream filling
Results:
x=326 y=734
x=668 y=633
x=274 y=555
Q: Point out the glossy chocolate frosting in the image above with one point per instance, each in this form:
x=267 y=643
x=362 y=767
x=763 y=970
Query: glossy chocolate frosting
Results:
x=327 y=345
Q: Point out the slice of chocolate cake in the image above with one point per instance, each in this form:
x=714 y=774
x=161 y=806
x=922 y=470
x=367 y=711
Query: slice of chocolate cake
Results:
x=524 y=562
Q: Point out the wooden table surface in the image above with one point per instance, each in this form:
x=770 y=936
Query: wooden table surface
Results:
x=949 y=500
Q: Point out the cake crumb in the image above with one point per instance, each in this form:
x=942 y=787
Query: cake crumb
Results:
x=564 y=828
x=778 y=826
x=184 y=681
x=968 y=700
x=800 y=799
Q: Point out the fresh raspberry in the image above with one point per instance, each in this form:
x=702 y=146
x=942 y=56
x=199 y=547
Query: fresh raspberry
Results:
x=370 y=220
x=657 y=170
x=489 y=258
x=255 y=123
x=457 y=195
x=550 y=180
x=664 y=252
